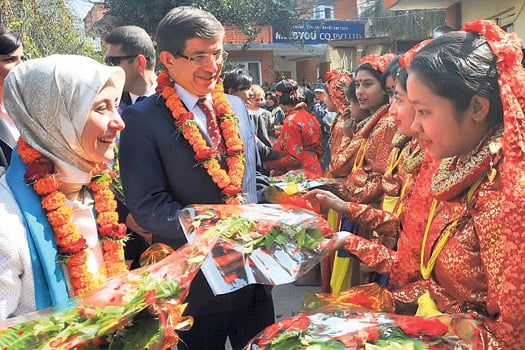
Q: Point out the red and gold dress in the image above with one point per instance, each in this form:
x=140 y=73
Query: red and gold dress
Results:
x=369 y=153
x=461 y=265
x=299 y=144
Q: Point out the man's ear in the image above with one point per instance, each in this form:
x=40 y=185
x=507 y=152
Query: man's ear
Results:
x=141 y=63
x=479 y=106
x=167 y=59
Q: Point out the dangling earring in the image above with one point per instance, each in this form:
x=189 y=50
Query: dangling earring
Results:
x=494 y=147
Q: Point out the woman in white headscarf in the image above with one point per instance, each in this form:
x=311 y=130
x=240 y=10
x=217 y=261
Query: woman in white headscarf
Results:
x=59 y=235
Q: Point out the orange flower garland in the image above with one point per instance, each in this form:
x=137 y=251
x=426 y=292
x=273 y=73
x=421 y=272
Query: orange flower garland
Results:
x=229 y=182
x=71 y=245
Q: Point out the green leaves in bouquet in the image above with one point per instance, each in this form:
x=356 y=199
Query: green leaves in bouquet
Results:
x=297 y=340
x=144 y=334
x=90 y=323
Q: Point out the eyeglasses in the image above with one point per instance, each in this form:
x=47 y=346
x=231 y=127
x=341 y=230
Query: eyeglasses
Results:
x=115 y=60
x=201 y=60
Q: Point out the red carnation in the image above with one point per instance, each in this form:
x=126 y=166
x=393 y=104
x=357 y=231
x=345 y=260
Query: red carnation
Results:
x=73 y=247
x=38 y=169
x=115 y=231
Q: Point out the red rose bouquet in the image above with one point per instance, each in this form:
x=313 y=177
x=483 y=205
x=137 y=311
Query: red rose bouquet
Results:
x=336 y=328
x=266 y=243
x=140 y=309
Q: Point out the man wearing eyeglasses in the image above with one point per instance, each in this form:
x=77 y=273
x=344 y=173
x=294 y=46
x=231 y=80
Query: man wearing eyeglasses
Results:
x=131 y=48
x=161 y=175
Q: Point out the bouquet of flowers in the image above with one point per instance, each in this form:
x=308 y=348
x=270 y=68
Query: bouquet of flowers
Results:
x=140 y=309
x=266 y=243
x=296 y=181
x=337 y=328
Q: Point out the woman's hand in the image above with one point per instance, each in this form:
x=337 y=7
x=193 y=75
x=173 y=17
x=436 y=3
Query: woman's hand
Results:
x=327 y=200
x=337 y=241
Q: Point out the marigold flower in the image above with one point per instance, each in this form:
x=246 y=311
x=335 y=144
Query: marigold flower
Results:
x=116 y=268
x=109 y=245
x=26 y=152
x=77 y=259
x=60 y=217
x=104 y=206
x=107 y=218
x=67 y=240
x=83 y=282
x=99 y=186
x=114 y=255
x=77 y=271
x=66 y=229
x=46 y=185
x=53 y=201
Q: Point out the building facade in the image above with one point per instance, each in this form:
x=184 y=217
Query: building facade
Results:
x=306 y=55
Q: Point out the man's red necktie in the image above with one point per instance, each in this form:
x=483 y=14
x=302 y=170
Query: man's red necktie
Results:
x=211 y=121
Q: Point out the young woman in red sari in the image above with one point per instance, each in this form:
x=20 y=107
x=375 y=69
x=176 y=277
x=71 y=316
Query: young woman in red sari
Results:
x=299 y=144
x=469 y=256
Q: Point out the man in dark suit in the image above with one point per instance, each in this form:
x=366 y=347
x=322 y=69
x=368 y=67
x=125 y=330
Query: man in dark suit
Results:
x=131 y=48
x=161 y=176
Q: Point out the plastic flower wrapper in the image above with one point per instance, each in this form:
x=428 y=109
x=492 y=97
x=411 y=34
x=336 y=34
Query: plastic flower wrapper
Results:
x=258 y=243
x=367 y=297
x=297 y=181
x=140 y=309
x=340 y=328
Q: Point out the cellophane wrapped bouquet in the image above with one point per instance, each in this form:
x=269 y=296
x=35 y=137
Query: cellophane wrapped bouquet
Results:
x=333 y=328
x=296 y=181
x=258 y=243
x=140 y=309
x=361 y=318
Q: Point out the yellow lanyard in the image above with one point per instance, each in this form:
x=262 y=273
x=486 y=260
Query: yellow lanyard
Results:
x=402 y=195
x=360 y=156
x=395 y=158
x=427 y=268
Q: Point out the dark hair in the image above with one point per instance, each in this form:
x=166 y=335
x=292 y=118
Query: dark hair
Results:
x=9 y=41
x=368 y=67
x=457 y=66
x=272 y=96
x=350 y=92
x=236 y=80
x=390 y=71
x=288 y=92
x=402 y=76
x=183 y=23
x=134 y=41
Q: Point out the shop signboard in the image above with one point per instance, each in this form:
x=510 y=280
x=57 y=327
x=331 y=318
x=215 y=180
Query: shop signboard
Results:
x=319 y=32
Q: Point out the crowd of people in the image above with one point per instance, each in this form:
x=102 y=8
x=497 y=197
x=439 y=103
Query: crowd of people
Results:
x=427 y=147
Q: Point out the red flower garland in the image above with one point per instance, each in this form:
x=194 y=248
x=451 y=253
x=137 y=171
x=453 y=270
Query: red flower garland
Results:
x=230 y=182
x=71 y=245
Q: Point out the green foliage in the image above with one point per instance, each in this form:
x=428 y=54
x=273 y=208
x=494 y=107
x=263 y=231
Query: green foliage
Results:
x=46 y=27
x=246 y=15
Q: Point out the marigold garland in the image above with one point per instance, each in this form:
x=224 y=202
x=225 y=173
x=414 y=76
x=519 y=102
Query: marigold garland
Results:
x=71 y=245
x=229 y=182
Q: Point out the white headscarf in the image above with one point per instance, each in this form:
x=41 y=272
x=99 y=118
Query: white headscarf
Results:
x=49 y=99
